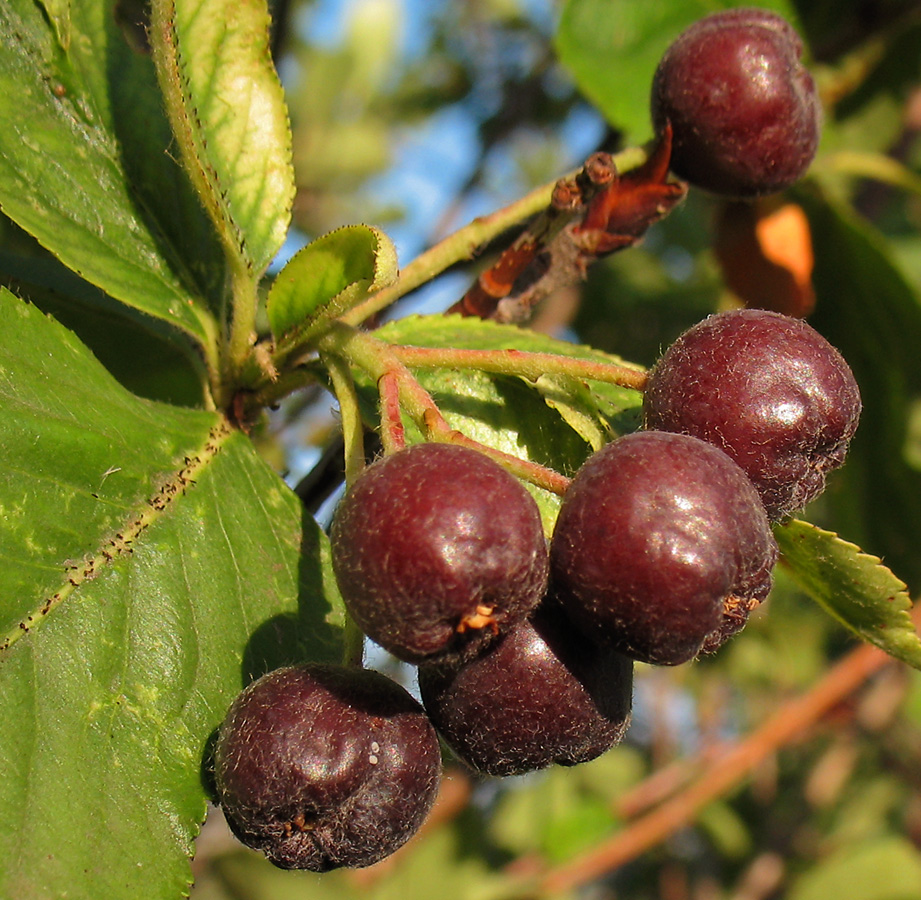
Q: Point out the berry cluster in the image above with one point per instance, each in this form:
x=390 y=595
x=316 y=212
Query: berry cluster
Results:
x=662 y=547
x=464 y=584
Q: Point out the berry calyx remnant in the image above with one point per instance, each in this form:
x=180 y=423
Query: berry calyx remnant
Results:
x=321 y=766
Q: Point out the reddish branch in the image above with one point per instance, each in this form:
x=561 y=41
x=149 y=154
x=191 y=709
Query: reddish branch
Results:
x=570 y=195
x=722 y=773
x=590 y=216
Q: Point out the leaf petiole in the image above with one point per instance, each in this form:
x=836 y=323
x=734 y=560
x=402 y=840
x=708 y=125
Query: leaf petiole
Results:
x=353 y=438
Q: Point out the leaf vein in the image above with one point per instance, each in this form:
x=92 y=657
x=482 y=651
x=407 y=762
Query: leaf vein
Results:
x=120 y=544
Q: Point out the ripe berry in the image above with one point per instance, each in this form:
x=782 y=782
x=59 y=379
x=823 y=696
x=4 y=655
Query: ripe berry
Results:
x=437 y=549
x=322 y=766
x=660 y=537
x=767 y=389
x=539 y=695
x=744 y=111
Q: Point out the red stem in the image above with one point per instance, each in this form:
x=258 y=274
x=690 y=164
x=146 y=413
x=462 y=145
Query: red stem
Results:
x=393 y=434
x=519 y=362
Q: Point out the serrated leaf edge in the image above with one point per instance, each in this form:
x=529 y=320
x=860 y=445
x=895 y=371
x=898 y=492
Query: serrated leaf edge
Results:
x=861 y=554
x=384 y=273
x=899 y=595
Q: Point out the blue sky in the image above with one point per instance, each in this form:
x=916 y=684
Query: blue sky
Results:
x=433 y=159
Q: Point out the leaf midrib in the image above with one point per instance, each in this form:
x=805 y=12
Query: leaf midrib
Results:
x=119 y=545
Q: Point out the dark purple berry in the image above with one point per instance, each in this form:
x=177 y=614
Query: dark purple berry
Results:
x=322 y=766
x=540 y=695
x=744 y=111
x=437 y=550
x=767 y=389
x=660 y=537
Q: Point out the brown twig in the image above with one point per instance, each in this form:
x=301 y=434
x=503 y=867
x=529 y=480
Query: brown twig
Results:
x=570 y=195
x=589 y=217
x=725 y=771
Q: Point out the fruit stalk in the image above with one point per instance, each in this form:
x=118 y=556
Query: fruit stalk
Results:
x=378 y=360
x=349 y=416
x=393 y=434
x=353 y=638
x=517 y=362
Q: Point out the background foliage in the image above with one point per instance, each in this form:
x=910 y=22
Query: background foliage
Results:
x=133 y=608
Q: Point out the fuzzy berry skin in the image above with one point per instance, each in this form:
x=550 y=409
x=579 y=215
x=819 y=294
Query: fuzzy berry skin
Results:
x=659 y=539
x=767 y=389
x=744 y=111
x=437 y=550
x=540 y=695
x=322 y=766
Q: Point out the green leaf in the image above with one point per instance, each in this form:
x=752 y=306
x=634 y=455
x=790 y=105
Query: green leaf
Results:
x=874 y=166
x=612 y=48
x=726 y=830
x=868 y=309
x=77 y=106
x=867 y=808
x=452 y=856
x=152 y=565
x=572 y=399
x=556 y=816
x=888 y=868
x=590 y=407
x=329 y=276
x=58 y=13
x=510 y=413
x=140 y=351
x=228 y=113
x=855 y=588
